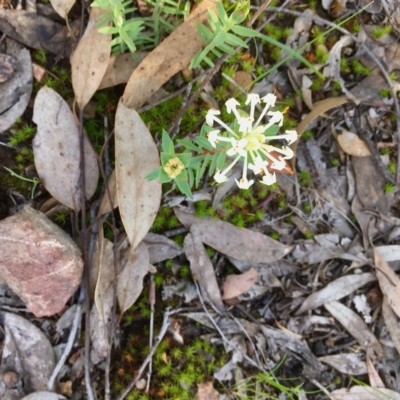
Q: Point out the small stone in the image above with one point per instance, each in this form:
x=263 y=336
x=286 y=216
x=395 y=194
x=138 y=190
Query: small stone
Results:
x=39 y=261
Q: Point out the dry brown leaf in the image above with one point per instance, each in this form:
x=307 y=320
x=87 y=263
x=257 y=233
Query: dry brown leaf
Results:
x=135 y=266
x=392 y=323
x=352 y=144
x=120 y=68
x=356 y=326
x=167 y=59
x=235 y=285
x=90 y=59
x=62 y=7
x=335 y=290
x=202 y=268
x=239 y=243
x=365 y=393
x=206 y=391
x=105 y=205
x=136 y=155
x=389 y=282
x=56 y=150
x=319 y=108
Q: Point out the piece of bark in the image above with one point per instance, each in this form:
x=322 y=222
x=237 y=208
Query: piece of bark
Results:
x=39 y=261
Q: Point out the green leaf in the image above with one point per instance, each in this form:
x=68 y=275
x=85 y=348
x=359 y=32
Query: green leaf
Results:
x=222 y=13
x=165 y=157
x=227 y=49
x=164 y=177
x=184 y=188
x=221 y=160
x=218 y=40
x=184 y=158
x=213 y=164
x=272 y=130
x=189 y=145
x=191 y=177
x=109 y=30
x=235 y=41
x=205 y=34
x=167 y=145
x=246 y=32
x=203 y=142
x=213 y=16
x=153 y=174
x=183 y=176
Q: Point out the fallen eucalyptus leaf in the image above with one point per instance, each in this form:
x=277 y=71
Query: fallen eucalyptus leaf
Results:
x=364 y=393
x=235 y=285
x=62 y=7
x=239 y=243
x=56 y=150
x=90 y=59
x=136 y=155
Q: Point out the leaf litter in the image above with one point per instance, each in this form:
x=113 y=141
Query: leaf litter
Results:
x=307 y=290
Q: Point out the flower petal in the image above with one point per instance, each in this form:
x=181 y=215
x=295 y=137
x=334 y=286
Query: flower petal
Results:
x=244 y=183
x=231 y=105
x=211 y=113
x=220 y=177
x=268 y=179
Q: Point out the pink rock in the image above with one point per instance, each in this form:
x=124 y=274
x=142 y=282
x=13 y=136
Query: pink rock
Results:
x=39 y=261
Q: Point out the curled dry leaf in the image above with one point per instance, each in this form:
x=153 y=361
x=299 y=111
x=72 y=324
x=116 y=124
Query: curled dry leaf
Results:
x=136 y=155
x=352 y=144
x=206 y=391
x=135 y=266
x=364 y=393
x=167 y=59
x=239 y=243
x=335 y=290
x=104 y=298
x=26 y=351
x=62 y=7
x=90 y=59
x=15 y=91
x=202 y=268
x=56 y=150
x=356 y=326
x=235 y=285
x=389 y=282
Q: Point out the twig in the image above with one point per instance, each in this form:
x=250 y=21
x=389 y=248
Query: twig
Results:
x=152 y=300
x=211 y=73
x=160 y=336
x=70 y=343
x=84 y=243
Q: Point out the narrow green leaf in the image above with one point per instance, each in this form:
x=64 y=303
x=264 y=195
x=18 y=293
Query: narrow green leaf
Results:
x=153 y=174
x=188 y=145
x=213 y=164
x=222 y=13
x=167 y=145
x=221 y=160
x=184 y=158
x=227 y=49
x=203 y=142
x=246 y=32
x=191 y=177
x=164 y=177
x=213 y=16
x=235 y=41
x=109 y=30
x=184 y=188
x=272 y=130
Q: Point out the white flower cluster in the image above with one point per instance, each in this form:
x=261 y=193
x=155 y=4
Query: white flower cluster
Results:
x=248 y=141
